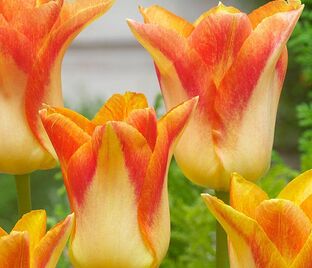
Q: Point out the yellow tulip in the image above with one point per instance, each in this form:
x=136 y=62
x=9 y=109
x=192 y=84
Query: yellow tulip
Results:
x=265 y=232
x=34 y=35
x=29 y=245
x=236 y=64
x=115 y=170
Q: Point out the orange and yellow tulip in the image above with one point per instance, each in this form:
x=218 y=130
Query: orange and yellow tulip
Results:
x=265 y=232
x=236 y=64
x=34 y=35
x=30 y=246
x=115 y=170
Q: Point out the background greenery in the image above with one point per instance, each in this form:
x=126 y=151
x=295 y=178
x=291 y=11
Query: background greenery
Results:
x=193 y=238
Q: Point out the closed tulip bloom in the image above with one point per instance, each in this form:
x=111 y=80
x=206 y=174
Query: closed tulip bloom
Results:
x=236 y=64
x=34 y=35
x=115 y=170
x=30 y=246
x=265 y=232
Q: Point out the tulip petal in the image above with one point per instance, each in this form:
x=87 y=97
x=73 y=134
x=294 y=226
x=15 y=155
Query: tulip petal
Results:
x=250 y=93
x=145 y=121
x=218 y=9
x=271 y=8
x=285 y=224
x=118 y=107
x=154 y=216
x=299 y=189
x=160 y=16
x=245 y=196
x=304 y=258
x=45 y=14
x=9 y=8
x=106 y=184
x=84 y=123
x=222 y=34
x=34 y=223
x=44 y=83
x=306 y=206
x=2 y=232
x=49 y=249
x=14 y=250
x=60 y=130
x=251 y=246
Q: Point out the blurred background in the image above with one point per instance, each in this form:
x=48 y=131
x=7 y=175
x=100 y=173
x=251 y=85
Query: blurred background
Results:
x=106 y=59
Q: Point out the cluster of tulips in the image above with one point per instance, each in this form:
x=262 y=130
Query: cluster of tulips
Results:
x=221 y=79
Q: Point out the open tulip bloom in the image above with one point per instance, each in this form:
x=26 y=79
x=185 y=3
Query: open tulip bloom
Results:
x=265 y=232
x=115 y=170
x=236 y=64
x=30 y=246
x=34 y=35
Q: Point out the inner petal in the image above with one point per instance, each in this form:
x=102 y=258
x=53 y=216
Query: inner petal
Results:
x=285 y=224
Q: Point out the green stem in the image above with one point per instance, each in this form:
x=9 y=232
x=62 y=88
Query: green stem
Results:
x=23 y=194
x=222 y=255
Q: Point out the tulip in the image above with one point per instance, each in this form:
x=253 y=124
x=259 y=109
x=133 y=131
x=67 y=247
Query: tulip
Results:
x=115 y=171
x=34 y=35
x=236 y=64
x=267 y=232
x=30 y=246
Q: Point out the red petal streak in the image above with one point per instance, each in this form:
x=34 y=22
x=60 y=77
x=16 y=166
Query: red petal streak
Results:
x=260 y=51
x=17 y=46
x=153 y=207
x=136 y=153
x=82 y=167
x=145 y=121
x=218 y=39
x=14 y=250
x=44 y=81
x=36 y=22
x=64 y=134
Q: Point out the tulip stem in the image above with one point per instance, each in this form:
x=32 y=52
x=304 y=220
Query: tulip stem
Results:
x=222 y=255
x=22 y=183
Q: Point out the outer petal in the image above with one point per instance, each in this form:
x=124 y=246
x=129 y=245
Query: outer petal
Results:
x=153 y=215
x=271 y=8
x=65 y=135
x=20 y=152
x=145 y=121
x=34 y=223
x=249 y=93
x=29 y=21
x=44 y=85
x=218 y=39
x=299 y=189
x=251 y=246
x=304 y=258
x=106 y=177
x=286 y=225
x=49 y=249
x=245 y=196
x=214 y=10
x=160 y=16
x=14 y=250
x=183 y=74
x=118 y=107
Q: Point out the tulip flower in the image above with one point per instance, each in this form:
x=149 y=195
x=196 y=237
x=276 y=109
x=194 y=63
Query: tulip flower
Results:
x=34 y=35
x=115 y=172
x=236 y=64
x=267 y=232
x=30 y=246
